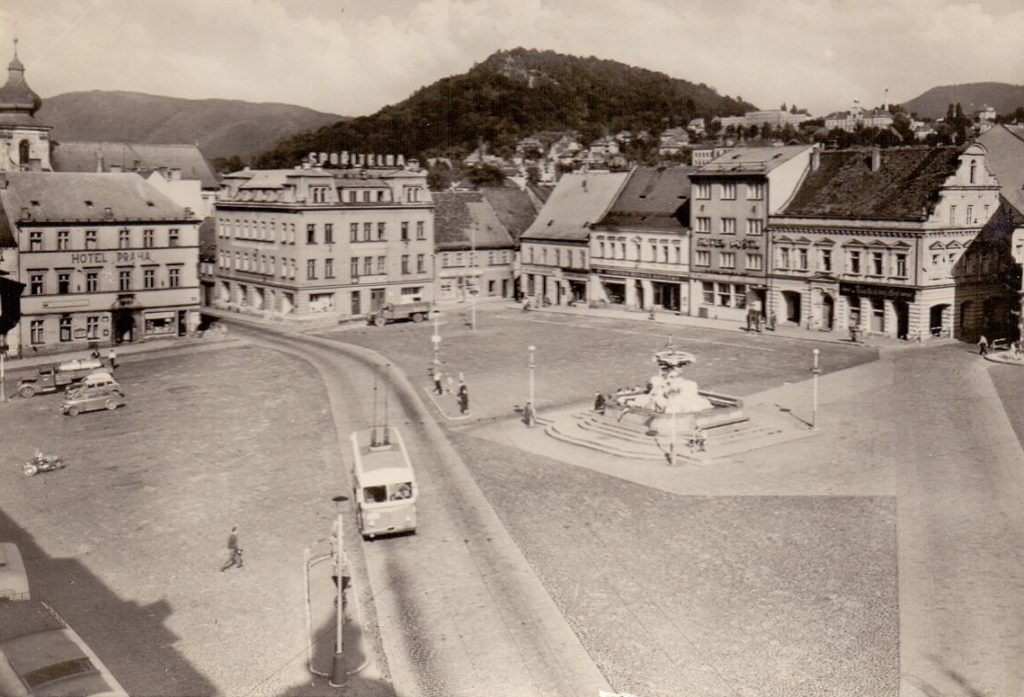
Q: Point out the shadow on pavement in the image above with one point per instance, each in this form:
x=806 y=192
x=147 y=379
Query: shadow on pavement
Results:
x=129 y=638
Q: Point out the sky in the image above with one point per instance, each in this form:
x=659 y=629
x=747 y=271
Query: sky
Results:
x=352 y=57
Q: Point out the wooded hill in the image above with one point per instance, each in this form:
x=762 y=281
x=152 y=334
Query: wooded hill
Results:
x=513 y=94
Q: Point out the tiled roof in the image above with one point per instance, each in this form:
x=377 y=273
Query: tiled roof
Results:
x=76 y=197
x=82 y=156
x=579 y=200
x=653 y=197
x=462 y=216
x=514 y=207
x=1005 y=159
x=904 y=188
x=756 y=160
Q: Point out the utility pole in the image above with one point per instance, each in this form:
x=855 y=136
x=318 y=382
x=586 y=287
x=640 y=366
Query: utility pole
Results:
x=337 y=678
x=817 y=371
x=473 y=275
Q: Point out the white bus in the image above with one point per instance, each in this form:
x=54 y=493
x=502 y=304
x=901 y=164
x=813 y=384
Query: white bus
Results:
x=384 y=482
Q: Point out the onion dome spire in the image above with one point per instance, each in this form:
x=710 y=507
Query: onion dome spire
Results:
x=16 y=95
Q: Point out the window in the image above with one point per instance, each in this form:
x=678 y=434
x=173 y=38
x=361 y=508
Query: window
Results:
x=90 y=239
x=63 y=282
x=801 y=255
x=311 y=233
x=37 y=331
x=124 y=238
x=328 y=268
x=728 y=226
x=173 y=276
x=825 y=260
x=65 y=328
x=147 y=239
x=405 y=263
x=367 y=265
x=380 y=195
x=124 y=279
x=421 y=263
x=405 y=232
x=728 y=260
x=728 y=192
x=35 y=241
x=382 y=264
x=63 y=239
x=366 y=197
x=310 y=269
x=92 y=327
x=854 y=262
x=354 y=267
x=703 y=224
x=421 y=233
x=702 y=191
x=382 y=232
x=973 y=166
x=952 y=215
x=970 y=215
x=709 y=293
x=876 y=263
x=353 y=232
x=901 y=265
x=755 y=262
x=755 y=192
x=36 y=285
x=367 y=231
x=784 y=262
x=353 y=196
x=172 y=237
x=755 y=226
x=149 y=278
x=92 y=281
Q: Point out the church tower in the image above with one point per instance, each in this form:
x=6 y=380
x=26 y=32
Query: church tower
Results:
x=24 y=142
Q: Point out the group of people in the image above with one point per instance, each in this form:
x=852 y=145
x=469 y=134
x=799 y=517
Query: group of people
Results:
x=111 y=356
x=984 y=345
x=444 y=384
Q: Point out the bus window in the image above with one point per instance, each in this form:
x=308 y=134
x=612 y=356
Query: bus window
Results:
x=401 y=491
x=375 y=494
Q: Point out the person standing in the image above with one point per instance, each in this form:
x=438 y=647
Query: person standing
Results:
x=112 y=357
x=983 y=345
x=599 y=403
x=529 y=417
x=463 y=398
x=438 y=384
x=234 y=551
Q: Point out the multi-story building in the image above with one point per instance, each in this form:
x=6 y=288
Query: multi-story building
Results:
x=776 y=118
x=474 y=250
x=859 y=117
x=301 y=242
x=105 y=258
x=902 y=242
x=731 y=199
x=554 y=249
x=640 y=249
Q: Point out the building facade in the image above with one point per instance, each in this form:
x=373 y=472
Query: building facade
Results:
x=640 y=249
x=901 y=242
x=474 y=251
x=731 y=199
x=302 y=243
x=105 y=259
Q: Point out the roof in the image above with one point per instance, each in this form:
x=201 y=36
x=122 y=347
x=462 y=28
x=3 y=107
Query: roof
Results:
x=579 y=200
x=653 y=197
x=462 y=218
x=513 y=206
x=16 y=95
x=83 y=156
x=1005 y=159
x=905 y=187
x=755 y=160
x=81 y=198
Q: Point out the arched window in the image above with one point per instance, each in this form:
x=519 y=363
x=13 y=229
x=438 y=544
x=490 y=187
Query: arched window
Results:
x=973 y=167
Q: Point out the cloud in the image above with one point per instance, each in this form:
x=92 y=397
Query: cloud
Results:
x=355 y=57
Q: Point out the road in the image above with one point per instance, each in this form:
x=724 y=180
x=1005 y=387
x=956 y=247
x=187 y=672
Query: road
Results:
x=459 y=609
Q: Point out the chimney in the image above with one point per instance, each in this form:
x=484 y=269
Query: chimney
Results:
x=815 y=159
x=876 y=159
x=175 y=174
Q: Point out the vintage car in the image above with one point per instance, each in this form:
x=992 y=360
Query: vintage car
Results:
x=102 y=393
x=417 y=312
x=53 y=377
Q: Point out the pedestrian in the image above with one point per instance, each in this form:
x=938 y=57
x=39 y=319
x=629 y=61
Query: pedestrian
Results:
x=95 y=352
x=438 y=384
x=463 y=398
x=529 y=417
x=448 y=382
x=599 y=403
x=983 y=345
x=112 y=357
x=234 y=551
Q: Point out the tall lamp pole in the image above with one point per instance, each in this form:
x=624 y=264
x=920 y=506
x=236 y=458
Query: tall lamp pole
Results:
x=817 y=371
x=532 y=349
x=337 y=678
x=472 y=275
x=436 y=340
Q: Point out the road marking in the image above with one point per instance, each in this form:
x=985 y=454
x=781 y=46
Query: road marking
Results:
x=670 y=336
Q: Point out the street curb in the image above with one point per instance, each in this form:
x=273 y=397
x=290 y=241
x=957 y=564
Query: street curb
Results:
x=1004 y=361
x=566 y=655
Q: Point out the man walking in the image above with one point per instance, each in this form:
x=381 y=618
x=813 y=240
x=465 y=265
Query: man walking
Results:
x=438 y=384
x=463 y=398
x=983 y=345
x=234 y=551
x=112 y=357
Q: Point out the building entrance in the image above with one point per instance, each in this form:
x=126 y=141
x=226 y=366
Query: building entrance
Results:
x=666 y=295
x=902 y=319
x=124 y=326
x=791 y=303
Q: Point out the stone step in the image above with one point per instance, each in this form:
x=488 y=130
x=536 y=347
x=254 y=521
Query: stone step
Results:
x=559 y=431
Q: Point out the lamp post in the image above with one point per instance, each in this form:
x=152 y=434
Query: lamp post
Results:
x=436 y=340
x=472 y=275
x=3 y=375
x=532 y=349
x=817 y=371
x=337 y=678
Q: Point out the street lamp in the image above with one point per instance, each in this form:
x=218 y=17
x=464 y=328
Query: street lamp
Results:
x=337 y=678
x=472 y=275
x=436 y=340
x=3 y=375
x=532 y=366
x=817 y=371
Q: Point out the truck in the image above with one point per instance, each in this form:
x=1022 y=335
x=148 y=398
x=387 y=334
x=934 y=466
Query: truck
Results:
x=416 y=311
x=58 y=376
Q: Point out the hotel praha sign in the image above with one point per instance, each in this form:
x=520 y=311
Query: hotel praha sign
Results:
x=108 y=257
x=886 y=292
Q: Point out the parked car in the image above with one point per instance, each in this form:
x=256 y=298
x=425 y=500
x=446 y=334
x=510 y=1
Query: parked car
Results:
x=53 y=377
x=102 y=394
x=417 y=312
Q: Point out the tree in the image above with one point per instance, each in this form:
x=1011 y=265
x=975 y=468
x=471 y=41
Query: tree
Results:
x=486 y=175
x=227 y=164
x=783 y=107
